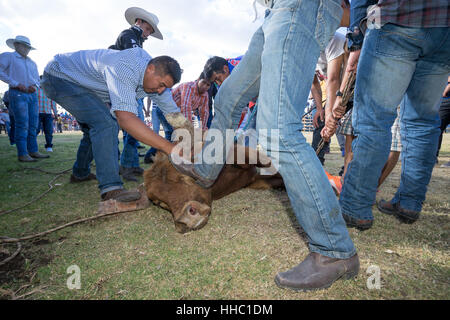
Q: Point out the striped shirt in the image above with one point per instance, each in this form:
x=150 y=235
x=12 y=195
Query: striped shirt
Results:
x=115 y=76
x=188 y=99
x=46 y=105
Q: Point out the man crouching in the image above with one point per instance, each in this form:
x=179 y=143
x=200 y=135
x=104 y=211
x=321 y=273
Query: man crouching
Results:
x=101 y=88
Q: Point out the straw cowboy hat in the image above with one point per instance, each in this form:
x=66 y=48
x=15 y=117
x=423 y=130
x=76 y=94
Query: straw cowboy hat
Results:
x=137 y=13
x=19 y=39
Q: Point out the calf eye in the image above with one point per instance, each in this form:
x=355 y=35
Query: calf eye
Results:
x=192 y=211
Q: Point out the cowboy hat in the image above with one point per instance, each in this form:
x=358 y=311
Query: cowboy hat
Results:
x=137 y=13
x=19 y=39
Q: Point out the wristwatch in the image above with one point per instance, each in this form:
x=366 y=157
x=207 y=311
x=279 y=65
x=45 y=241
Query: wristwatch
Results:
x=339 y=94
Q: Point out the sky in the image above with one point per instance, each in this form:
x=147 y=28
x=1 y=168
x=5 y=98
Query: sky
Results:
x=193 y=30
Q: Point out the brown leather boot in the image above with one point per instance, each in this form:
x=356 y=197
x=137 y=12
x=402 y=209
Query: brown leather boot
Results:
x=26 y=158
x=404 y=215
x=121 y=195
x=38 y=155
x=318 y=272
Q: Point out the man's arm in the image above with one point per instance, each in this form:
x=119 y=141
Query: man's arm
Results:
x=5 y=61
x=133 y=125
x=165 y=102
x=204 y=114
x=316 y=92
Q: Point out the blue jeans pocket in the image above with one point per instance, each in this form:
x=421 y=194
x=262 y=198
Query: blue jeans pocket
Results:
x=398 y=42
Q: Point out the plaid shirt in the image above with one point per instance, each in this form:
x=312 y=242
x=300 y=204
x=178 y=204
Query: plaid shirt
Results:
x=408 y=13
x=46 y=105
x=188 y=100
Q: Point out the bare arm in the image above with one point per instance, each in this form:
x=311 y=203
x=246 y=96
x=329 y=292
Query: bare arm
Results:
x=133 y=125
x=316 y=92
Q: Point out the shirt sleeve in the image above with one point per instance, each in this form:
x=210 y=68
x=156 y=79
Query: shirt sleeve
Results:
x=5 y=61
x=204 y=113
x=358 y=12
x=122 y=85
x=335 y=48
x=165 y=102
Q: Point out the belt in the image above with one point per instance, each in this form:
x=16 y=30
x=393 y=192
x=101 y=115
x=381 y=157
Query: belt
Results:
x=18 y=89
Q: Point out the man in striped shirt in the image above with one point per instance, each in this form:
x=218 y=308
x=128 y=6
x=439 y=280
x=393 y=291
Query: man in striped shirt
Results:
x=101 y=88
x=46 y=108
x=192 y=97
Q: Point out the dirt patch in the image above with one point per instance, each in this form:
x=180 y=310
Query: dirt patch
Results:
x=23 y=267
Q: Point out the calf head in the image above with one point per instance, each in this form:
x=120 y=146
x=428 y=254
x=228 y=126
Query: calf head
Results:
x=189 y=203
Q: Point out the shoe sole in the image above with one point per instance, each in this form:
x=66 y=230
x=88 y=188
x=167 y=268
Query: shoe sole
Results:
x=346 y=276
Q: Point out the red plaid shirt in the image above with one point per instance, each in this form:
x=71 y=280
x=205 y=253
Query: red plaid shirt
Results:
x=415 y=13
x=187 y=98
x=46 y=105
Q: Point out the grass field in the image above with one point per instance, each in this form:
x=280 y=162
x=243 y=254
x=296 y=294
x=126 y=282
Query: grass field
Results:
x=250 y=236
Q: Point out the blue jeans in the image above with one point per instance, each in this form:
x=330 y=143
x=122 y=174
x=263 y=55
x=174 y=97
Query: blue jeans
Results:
x=99 y=128
x=46 y=123
x=24 y=107
x=130 y=155
x=396 y=62
x=279 y=66
x=158 y=119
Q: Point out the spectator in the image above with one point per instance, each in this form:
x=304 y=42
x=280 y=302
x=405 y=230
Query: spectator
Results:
x=46 y=108
x=21 y=74
x=144 y=24
x=12 y=122
x=192 y=97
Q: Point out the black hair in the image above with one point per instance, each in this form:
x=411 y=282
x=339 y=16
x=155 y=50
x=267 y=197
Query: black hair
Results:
x=166 y=65
x=347 y=3
x=214 y=64
x=203 y=76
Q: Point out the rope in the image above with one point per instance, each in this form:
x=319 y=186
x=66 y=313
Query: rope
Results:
x=346 y=95
x=50 y=185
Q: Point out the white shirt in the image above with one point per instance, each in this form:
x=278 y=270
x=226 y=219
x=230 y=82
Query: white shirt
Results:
x=15 y=70
x=115 y=76
x=334 y=50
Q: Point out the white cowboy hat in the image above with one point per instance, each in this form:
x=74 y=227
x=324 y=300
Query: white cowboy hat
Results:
x=20 y=39
x=137 y=13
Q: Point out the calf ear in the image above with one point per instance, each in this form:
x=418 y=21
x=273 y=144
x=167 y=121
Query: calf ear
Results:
x=245 y=157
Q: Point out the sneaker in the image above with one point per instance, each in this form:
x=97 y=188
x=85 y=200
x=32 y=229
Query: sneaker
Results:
x=446 y=165
x=121 y=195
x=49 y=149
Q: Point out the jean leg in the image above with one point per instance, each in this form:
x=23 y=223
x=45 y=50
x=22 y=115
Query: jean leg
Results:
x=12 y=129
x=19 y=107
x=420 y=123
x=294 y=39
x=386 y=54
x=130 y=155
x=48 y=130
x=82 y=166
x=237 y=90
x=33 y=118
x=156 y=124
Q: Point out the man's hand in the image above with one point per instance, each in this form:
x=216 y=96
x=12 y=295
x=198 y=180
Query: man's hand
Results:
x=352 y=64
x=318 y=114
x=446 y=91
x=338 y=110
x=330 y=128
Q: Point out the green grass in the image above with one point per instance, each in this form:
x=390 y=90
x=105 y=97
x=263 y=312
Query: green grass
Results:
x=250 y=236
